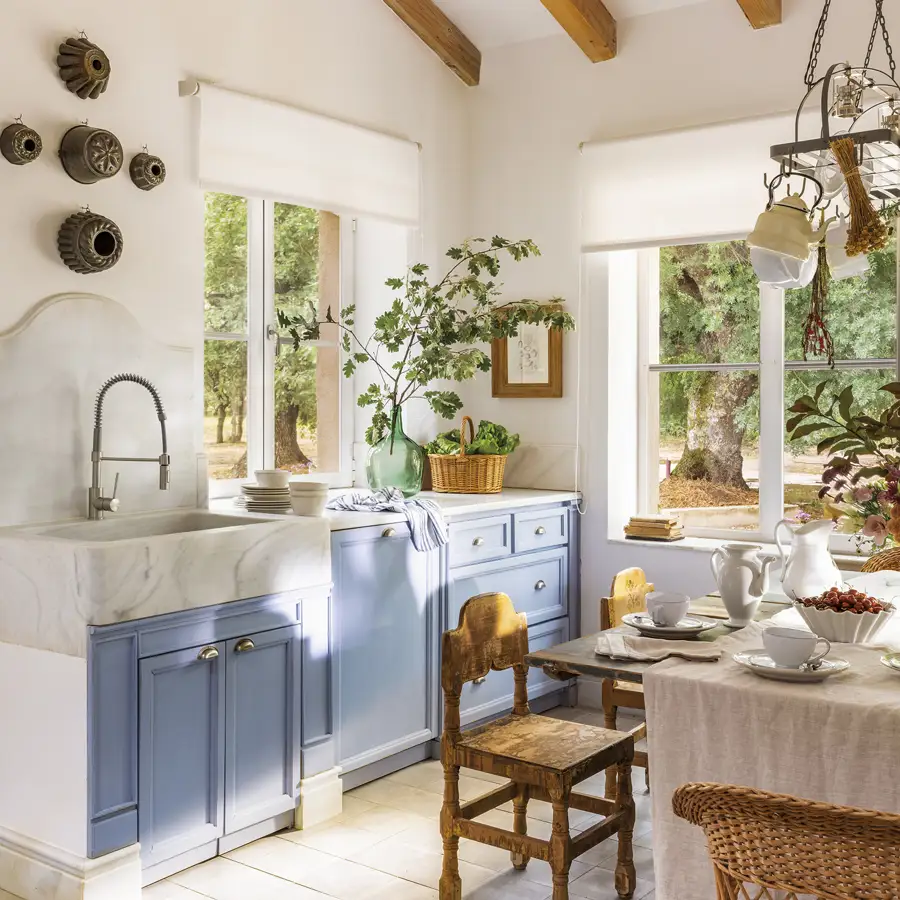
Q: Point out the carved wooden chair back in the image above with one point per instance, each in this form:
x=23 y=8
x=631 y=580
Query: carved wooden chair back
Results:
x=628 y=594
x=490 y=635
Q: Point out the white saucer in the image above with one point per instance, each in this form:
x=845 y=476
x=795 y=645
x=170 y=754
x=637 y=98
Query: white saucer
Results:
x=688 y=627
x=760 y=663
x=891 y=661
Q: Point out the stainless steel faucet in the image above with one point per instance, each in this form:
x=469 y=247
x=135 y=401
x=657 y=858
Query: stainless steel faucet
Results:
x=97 y=503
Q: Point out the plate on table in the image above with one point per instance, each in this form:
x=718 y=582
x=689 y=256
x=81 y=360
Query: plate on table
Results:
x=760 y=663
x=892 y=661
x=690 y=626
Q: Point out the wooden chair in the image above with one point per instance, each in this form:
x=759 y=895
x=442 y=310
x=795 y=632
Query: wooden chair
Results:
x=543 y=758
x=781 y=843
x=628 y=594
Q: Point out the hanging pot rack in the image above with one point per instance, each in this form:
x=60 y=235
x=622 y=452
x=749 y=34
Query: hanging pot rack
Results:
x=878 y=149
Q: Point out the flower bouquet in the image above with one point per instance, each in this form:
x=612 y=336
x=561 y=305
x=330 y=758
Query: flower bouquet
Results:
x=860 y=480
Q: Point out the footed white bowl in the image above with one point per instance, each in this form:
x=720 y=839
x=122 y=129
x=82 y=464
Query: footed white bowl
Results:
x=272 y=478
x=845 y=627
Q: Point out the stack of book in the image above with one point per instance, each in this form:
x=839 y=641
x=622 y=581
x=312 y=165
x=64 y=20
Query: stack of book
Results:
x=654 y=528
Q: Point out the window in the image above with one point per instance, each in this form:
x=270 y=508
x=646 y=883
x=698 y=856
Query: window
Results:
x=265 y=403
x=722 y=361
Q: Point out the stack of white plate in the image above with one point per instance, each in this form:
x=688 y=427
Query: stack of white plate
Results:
x=308 y=497
x=266 y=499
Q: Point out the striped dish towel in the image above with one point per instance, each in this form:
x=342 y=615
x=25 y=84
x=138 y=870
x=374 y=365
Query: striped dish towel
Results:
x=424 y=517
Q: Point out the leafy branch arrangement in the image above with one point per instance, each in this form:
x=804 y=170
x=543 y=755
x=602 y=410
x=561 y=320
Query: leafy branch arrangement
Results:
x=862 y=474
x=423 y=336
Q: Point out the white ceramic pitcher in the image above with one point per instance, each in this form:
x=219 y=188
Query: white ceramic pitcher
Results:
x=808 y=569
x=742 y=577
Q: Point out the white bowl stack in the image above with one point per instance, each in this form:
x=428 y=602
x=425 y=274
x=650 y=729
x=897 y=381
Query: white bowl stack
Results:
x=308 y=496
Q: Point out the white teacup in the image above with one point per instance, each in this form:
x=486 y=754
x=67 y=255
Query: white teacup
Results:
x=667 y=609
x=792 y=647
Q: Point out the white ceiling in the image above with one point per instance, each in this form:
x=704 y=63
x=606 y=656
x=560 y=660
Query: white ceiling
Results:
x=495 y=23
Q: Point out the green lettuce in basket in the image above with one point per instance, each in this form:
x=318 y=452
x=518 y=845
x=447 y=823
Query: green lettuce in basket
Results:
x=489 y=439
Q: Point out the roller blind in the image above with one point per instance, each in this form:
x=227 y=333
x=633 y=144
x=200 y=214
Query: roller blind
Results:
x=666 y=188
x=259 y=148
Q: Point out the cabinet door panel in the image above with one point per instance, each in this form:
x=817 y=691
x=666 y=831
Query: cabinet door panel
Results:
x=262 y=720
x=382 y=622
x=182 y=730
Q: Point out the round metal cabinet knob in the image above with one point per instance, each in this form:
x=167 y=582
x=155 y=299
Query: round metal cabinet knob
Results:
x=389 y=532
x=208 y=653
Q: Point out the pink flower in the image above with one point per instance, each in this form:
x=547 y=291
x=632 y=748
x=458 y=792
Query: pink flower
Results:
x=876 y=528
x=862 y=494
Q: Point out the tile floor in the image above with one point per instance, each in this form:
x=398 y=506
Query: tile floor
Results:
x=386 y=846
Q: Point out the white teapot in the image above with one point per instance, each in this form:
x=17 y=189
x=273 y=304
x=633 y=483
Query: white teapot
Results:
x=785 y=228
x=808 y=569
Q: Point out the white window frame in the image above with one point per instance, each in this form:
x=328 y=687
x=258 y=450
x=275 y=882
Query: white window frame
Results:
x=262 y=339
x=771 y=368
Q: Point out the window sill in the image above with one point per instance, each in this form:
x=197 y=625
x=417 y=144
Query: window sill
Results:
x=847 y=562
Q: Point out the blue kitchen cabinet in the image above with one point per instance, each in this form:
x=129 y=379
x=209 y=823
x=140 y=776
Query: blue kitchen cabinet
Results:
x=385 y=603
x=262 y=726
x=182 y=752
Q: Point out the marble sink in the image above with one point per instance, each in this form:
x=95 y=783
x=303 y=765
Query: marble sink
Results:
x=57 y=579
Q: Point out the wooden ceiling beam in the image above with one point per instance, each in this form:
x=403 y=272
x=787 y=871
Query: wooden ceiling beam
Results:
x=761 y=13
x=440 y=34
x=589 y=23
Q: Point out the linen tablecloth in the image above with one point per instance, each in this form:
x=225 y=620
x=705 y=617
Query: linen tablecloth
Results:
x=837 y=742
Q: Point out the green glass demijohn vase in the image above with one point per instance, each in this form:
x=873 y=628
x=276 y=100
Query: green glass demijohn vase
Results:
x=396 y=461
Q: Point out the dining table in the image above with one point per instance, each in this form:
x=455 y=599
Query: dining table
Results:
x=715 y=721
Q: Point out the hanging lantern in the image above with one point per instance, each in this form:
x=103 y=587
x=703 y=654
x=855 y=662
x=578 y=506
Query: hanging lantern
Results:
x=846 y=100
x=890 y=117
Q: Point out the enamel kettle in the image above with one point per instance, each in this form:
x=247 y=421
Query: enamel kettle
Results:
x=785 y=228
x=807 y=568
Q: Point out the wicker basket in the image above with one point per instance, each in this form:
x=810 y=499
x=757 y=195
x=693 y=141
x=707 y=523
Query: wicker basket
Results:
x=475 y=474
x=885 y=560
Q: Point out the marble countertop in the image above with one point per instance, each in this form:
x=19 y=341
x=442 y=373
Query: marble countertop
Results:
x=452 y=505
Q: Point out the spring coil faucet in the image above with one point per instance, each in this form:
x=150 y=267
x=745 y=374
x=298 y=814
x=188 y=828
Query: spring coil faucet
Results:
x=97 y=503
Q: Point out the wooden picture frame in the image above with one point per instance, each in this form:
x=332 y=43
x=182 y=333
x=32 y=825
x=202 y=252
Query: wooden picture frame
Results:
x=551 y=387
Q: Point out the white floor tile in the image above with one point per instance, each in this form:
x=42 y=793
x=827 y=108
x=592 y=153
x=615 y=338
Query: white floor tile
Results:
x=281 y=857
x=401 y=796
x=337 y=839
x=385 y=821
x=162 y=890
x=224 y=879
x=411 y=863
x=5 y=895
x=507 y=886
x=599 y=884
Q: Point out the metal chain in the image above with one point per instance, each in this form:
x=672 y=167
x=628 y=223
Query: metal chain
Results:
x=810 y=77
x=880 y=21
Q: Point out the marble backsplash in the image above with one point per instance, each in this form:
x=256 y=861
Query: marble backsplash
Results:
x=52 y=363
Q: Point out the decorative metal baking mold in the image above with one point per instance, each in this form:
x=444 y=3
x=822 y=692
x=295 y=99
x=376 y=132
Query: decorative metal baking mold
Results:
x=147 y=171
x=20 y=144
x=89 y=243
x=84 y=67
x=90 y=154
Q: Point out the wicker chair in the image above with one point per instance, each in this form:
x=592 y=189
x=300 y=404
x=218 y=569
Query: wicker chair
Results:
x=887 y=559
x=776 y=842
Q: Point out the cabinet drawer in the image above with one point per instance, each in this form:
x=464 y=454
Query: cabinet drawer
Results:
x=544 y=528
x=481 y=539
x=494 y=696
x=537 y=585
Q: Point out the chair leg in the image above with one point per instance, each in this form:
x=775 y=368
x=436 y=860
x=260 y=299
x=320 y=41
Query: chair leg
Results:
x=647 y=775
x=625 y=874
x=450 y=885
x=560 y=848
x=609 y=722
x=520 y=826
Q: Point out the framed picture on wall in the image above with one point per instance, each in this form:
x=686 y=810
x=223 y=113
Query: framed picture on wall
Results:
x=529 y=364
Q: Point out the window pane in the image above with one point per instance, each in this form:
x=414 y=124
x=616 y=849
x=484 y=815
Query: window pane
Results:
x=225 y=292
x=709 y=448
x=860 y=314
x=307 y=388
x=225 y=408
x=803 y=465
x=708 y=304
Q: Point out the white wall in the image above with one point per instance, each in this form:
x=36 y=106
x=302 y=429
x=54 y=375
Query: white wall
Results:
x=351 y=59
x=537 y=102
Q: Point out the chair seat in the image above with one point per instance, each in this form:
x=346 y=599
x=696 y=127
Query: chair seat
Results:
x=629 y=686
x=551 y=744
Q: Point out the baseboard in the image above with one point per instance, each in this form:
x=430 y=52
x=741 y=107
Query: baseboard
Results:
x=34 y=870
x=388 y=766
x=320 y=798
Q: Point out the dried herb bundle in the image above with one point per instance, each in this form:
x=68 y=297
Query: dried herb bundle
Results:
x=867 y=229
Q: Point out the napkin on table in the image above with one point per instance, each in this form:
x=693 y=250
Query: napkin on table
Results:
x=640 y=649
